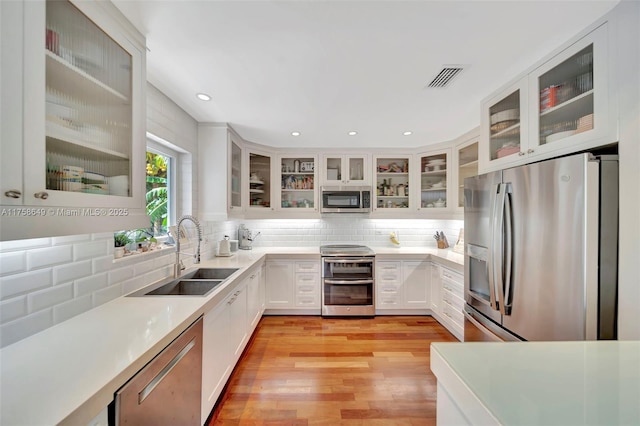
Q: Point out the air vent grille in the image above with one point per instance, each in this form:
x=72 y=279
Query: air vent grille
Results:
x=444 y=77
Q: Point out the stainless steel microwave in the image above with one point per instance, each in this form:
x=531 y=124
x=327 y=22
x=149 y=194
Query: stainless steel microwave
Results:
x=345 y=199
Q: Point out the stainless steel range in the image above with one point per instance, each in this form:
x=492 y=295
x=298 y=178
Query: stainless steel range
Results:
x=348 y=280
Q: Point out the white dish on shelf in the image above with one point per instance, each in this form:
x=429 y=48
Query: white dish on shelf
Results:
x=560 y=135
x=506 y=115
x=436 y=162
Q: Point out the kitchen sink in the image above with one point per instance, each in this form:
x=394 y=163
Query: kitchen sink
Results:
x=185 y=287
x=210 y=273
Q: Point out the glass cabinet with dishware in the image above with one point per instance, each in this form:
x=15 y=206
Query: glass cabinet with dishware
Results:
x=467 y=161
x=503 y=126
x=298 y=182
x=235 y=175
x=563 y=105
x=434 y=180
x=569 y=104
x=391 y=183
x=81 y=88
x=258 y=184
x=345 y=169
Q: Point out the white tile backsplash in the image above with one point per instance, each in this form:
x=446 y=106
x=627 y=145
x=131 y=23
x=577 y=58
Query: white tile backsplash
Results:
x=49 y=297
x=70 y=309
x=44 y=257
x=48 y=280
x=71 y=271
x=15 y=285
x=13 y=262
x=90 y=284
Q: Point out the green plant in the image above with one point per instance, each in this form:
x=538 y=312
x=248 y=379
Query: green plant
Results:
x=121 y=239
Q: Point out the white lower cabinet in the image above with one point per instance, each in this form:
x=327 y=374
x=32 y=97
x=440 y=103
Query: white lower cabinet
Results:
x=216 y=356
x=447 y=299
x=226 y=331
x=402 y=285
x=292 y=287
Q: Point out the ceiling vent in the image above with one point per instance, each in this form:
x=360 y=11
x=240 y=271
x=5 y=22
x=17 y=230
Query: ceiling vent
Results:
x=444 y=77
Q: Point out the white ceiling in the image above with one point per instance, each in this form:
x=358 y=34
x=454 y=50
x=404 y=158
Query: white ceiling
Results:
x=328 y=67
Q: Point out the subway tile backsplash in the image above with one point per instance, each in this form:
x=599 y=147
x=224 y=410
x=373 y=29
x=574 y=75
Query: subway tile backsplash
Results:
x=46 y=281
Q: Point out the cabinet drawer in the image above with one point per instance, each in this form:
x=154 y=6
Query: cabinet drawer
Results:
x=307 y=300
x=454 y=315
x=388 y=270
x=453 y=300
x=388 y=286
x=452 y=276
x=388 y=300
x=313 y=267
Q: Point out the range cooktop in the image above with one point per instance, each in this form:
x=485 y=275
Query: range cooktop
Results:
x=345 y=250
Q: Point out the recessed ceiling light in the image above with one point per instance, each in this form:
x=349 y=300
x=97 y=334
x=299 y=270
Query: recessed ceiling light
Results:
x=407 y=133
x=352 y=133
x=295 y=133
x=203 y=96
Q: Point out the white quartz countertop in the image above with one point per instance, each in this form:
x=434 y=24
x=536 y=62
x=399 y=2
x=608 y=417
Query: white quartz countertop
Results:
x=68 y=373
x=542 y=383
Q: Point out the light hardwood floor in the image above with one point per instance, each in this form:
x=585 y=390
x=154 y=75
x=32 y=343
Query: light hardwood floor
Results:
x=307 y=370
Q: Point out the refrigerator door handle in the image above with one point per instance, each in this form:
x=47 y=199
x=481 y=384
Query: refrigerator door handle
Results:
x=492 y=249
x=505 y=309
x=498 y=247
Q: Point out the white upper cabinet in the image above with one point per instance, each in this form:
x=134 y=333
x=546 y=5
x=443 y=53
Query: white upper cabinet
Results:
x=341 y=169
x=566 y=104
x=466 y=154
x=259 y=188
x=392 y=179
x=74 y=95
x=297 y=177
x=434 y=182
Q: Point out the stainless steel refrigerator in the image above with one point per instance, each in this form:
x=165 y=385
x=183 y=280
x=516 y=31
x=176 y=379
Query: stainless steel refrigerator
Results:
x=541 y=244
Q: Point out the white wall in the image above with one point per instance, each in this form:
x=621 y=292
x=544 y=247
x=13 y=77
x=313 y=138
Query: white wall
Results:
x=627 y=69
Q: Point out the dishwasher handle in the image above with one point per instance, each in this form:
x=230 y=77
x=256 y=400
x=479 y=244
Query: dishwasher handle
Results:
x=165 y=371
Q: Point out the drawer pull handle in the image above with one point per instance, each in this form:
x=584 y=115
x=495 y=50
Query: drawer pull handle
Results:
x=43 y=195
x=13 y=193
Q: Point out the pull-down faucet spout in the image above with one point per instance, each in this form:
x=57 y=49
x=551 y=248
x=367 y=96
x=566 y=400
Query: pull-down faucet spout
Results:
x=178 y=267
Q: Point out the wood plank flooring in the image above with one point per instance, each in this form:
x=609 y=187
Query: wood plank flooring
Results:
x=307 y=370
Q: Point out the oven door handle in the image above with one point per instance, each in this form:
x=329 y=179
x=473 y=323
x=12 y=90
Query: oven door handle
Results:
x=348 y=260
x=329 y=281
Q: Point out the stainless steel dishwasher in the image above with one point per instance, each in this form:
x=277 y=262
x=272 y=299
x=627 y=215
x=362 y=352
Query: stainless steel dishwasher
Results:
x=167 y=390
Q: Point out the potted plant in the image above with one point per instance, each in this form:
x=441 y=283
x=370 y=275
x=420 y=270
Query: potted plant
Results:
x=120 y=241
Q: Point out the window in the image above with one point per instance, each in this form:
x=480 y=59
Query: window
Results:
x=160 y=187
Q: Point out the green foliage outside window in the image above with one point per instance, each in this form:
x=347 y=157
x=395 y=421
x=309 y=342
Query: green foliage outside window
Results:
x=157 y=195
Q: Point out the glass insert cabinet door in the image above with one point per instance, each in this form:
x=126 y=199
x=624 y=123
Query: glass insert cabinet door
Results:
x=392 y=183
x=297 y=182
x=467 y=167
x=91 y=94
x=504 y=126
x=433 y=180
x=88 y=105
x=567 y=98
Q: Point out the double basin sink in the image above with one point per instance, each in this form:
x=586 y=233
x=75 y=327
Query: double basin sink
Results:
x=199 y=282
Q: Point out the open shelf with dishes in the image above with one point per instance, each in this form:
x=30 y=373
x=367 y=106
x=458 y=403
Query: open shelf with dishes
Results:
x=259 y=180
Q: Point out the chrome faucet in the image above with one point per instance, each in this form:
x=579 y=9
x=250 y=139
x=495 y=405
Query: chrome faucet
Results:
x=178 y=267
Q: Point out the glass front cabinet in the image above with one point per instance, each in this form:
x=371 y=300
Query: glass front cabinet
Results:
x=79 y=81
x=298 y=183
x=235 y=176
x=467 y=160
x=260 y=185
x=391 y=184
x=345 y=170
x=434 y=181
x=562 y=106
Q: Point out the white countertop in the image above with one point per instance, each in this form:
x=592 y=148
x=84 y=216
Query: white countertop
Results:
x=68 y=373
x=542 y=383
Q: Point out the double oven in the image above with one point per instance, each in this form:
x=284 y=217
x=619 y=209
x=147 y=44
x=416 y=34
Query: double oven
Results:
x=348 y=280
